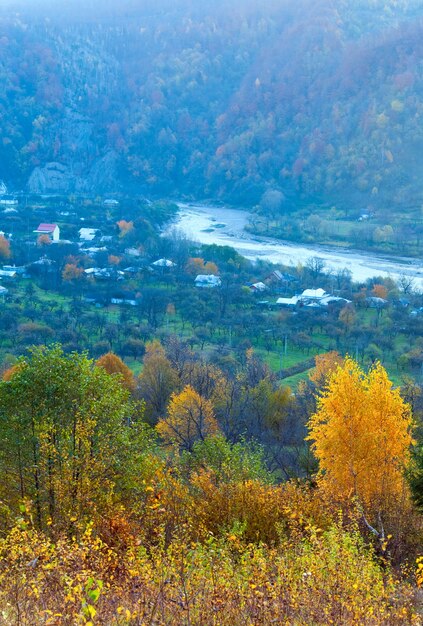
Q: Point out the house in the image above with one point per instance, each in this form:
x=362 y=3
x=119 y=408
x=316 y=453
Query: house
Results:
x=376 y=303
x=99 y=273
x=92 y=271
x=7 y=274
x=311 y=298
x=8 y=201
x=131 y=270
x=280 y=277
x=52 y=230
x=258 y=287
x=94 y=250
x=287 y=302
x=163 y=263
x=333 y=300
x=314 y=295
x=87 y=234
x=132 y=252
x=123 y=301
x=207 y=280
x=19 y=270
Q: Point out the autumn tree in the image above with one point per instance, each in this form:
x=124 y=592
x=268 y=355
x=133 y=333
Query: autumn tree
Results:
x=361 y=438
x=380 y=291
x=189 y=418
x=325 y=365
x=113 y=259
x=72 y=272
x=125 y=227
x=4 y=247
x=157 y=380
x=66 y=439
x=43 y=241
x=197 y=265
x=114 y=365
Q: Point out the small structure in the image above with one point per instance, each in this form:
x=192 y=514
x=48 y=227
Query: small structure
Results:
x=7 y=274
x=314 y=295
x=3 y=292
x=19 y=270
x=207 y=281
x=161 y=263
x=87 y=234
x=111 y=202
x=99 y=273
x=287 y=302
x=334 y=300
x=278 y=277
x=258 y=287
x=9 y=201
x=94 y=250
x=52 y=230
x=376 y=303
x=132 y=252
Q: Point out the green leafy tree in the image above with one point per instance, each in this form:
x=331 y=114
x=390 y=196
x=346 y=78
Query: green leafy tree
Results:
x=67 y=436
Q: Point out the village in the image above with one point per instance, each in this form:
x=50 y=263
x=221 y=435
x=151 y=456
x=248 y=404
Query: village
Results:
x=108 y=255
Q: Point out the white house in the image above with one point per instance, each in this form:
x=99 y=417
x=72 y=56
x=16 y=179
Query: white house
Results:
x=207 y=280
x=8 y=201
x=288 y=302
x=163 y=263
x=87 y=234
x=313 y=294
x=52 y=230
x=258 y=286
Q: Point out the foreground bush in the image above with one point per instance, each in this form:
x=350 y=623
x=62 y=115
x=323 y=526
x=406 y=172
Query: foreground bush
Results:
x=323 y=578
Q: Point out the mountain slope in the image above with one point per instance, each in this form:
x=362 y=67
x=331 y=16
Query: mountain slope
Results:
x=321 y=100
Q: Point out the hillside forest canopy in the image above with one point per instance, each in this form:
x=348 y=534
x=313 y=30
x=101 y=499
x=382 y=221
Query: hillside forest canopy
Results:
x=318 y=101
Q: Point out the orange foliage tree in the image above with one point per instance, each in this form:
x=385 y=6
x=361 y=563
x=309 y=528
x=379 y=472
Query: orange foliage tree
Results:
x=113 y=259
x=125 y=227
x=43 y=240
x=114 y=365
x=361 y=438
x=72 y=272
x=196 y=265
x=325 y=365
x=380 y=291
x=190 y=417
x=4 y=248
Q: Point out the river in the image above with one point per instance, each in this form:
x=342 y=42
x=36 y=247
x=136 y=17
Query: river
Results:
x=207 y=224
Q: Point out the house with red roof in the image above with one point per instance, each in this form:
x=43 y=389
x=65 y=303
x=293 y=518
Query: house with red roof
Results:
x=52 y=230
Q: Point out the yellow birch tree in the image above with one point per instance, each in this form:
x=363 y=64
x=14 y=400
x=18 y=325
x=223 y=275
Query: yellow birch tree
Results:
x=189 y=418
x=361 y=434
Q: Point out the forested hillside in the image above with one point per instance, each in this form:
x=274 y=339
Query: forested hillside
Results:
x=321 y=100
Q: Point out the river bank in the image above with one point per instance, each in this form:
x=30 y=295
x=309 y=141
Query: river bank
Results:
x=222 y=226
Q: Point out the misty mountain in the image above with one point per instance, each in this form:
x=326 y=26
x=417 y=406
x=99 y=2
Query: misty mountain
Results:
x=322 y=100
